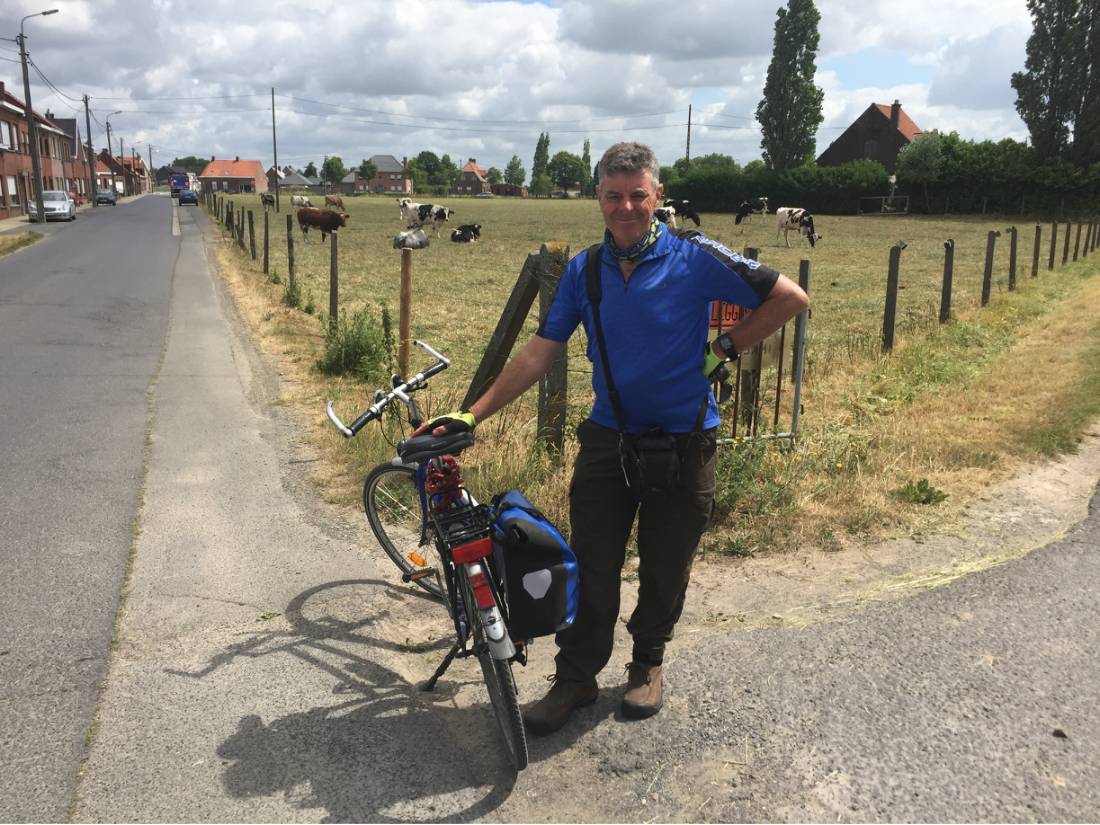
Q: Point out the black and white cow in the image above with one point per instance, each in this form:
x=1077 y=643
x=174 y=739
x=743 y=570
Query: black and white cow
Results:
x=666 y=214
x=684 y=209
x=409 y=211
x=756 y=206
x=467 y=233
x=434 y=214
x=791 y=218
x=300 y=200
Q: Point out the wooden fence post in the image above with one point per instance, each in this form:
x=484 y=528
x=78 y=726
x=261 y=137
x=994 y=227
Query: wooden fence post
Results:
x=1065 y=246
x=404 y=318
x=554 y=384
x=1035 y=254
x=289 y=253
x=1077 y=242
x=800 y=323
x=1011 y=258
x=748 y=379
x=240 y=230
x=948 y=275
x=251 y=235
x=987 y=278
x=229 y=220
x=1053 y=245
x=265 y=242
x=890 y=313
x=333 y=285
x=1088 y=240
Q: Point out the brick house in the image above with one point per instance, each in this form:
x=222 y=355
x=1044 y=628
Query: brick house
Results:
x=391 y=176
x=122 y=170
x=471 y=180
x=76 y=164
x=877 y=134
x=56 y=152
x=233 y=176
x=508 y=190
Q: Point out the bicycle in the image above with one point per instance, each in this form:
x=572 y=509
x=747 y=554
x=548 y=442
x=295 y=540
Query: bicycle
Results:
x=416 y=502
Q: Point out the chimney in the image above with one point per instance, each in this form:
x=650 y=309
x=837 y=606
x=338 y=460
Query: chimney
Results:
x=473 y=161
x=211 y=158
x=2 y=89
x=895 y=114
x=237 y=159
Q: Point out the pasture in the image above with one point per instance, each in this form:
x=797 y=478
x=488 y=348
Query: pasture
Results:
x=860 y=440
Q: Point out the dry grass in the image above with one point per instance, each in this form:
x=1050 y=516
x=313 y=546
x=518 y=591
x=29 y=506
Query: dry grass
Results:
x=958 y=404
x=11 y=243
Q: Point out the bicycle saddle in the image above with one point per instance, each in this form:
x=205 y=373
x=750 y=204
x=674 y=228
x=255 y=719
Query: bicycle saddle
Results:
x=422 y=447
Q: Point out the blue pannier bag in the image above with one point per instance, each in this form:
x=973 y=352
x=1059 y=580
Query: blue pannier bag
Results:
x=540 y=570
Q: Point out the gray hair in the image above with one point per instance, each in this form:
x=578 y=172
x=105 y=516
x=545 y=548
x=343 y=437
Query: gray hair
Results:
x=628 y=158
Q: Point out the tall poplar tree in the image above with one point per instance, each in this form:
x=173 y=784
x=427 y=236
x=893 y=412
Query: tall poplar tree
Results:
x=790 y=110
x=587 y=188
x=1086 y=126
x=1050 y=90
x=542 y=156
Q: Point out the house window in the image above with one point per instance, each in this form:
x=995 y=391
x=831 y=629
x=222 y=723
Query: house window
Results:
x=870 y=148
x=13 y=139
x=13 y=191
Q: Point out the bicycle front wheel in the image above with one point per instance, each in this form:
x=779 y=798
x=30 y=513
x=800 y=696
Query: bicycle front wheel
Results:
x=392 y=502
x=498 y=679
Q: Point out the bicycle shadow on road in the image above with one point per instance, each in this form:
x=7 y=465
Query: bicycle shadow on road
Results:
x=383 y=751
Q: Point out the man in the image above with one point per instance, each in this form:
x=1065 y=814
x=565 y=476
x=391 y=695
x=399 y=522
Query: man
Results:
x=654 y=308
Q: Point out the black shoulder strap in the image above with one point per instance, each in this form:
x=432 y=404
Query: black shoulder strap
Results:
x=595 y=293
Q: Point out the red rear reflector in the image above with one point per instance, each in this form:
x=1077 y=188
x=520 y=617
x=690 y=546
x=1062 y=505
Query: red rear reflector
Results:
x=482 y=592
x=472 y=550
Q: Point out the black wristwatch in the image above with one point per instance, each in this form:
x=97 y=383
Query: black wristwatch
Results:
x=725 y=343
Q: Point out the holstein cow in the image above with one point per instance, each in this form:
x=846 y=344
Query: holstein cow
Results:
x=683 y=208
x=666 y=214
x=756 y=206
x=324 y=219
x=300 y=200
x=788 y=218
x=467 y=233
x=409 y=211
x=267 y=199
x=411 y=239
x=434 y=214
x=334 y=200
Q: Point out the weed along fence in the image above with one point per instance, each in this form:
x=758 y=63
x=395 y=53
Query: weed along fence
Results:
x=1088 y=230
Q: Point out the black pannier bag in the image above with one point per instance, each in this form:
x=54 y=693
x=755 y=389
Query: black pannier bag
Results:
x=541 y=579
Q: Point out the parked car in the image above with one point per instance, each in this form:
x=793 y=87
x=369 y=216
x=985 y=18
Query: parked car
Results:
x=104 y=196
x=484 y=195
x=188 y=196
x=57 y=204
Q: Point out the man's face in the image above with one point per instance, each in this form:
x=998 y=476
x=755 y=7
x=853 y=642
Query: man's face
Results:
x=627 y=202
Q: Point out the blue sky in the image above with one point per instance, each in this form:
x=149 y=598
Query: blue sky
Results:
x=481 y=78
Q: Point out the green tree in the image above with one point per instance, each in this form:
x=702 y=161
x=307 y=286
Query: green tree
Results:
x=514 y=172
x=191 y=163
x=367 y=170
x=1086 y=127
x=588 y=189
x=494 y=175
x=921 y=162
x=542 y=156
x=448 y=172
x=310 y=171
x=1050 y=91
x=565 y=169
x=541 y=186
x=428 y=162
x=790 y=110
x=333 y=169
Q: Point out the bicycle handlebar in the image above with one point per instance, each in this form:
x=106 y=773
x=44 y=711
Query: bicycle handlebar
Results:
x=400 y=392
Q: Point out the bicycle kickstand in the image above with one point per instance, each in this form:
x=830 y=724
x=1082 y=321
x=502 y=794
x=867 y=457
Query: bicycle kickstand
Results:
x=439 y=671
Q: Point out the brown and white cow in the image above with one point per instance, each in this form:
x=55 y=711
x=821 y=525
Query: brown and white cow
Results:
x=300 y=200
x=791 y=218
x=324 y=219
x=334 y=200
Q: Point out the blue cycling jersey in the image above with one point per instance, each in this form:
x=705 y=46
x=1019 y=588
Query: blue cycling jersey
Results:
x=656 y=326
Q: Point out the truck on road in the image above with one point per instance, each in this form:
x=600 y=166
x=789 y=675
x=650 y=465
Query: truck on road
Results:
x=177 y=183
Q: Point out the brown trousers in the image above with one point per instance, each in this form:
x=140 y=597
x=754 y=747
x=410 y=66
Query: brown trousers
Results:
x=602 y=513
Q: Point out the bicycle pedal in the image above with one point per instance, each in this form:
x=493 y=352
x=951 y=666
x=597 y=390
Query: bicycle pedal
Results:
x=417 y=575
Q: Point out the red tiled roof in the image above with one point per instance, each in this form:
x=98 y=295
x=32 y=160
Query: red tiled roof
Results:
x=233 y=169
x=905 y=123
x=101 y=167
x=473 y=167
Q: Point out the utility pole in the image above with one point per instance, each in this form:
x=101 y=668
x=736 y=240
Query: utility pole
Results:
x=122 y=163
x=91 y=157
x=150 y=176
x=111 y=155
x=32 y=132
x=275 y=148
x=687 y=155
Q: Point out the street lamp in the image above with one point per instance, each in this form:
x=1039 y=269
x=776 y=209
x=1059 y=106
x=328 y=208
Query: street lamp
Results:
x=32 y=130
x=110 y=151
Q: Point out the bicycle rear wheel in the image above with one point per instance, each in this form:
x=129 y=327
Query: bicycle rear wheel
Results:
x=498 y=679
x=392 y=502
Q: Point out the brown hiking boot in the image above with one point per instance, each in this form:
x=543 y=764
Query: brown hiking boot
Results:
x=554 y=709
x=643 y=690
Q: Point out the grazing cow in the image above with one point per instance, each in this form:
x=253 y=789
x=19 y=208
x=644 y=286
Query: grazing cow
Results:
x=409 y=211
x=300 y=200
x=334 y=200
x=411 y=239
x=756 y=206
x=325 y=220
x=267 y=199
x=684 y=209
x=788 y=218
x=666 y=214
x=467 y=233
x=434 y=214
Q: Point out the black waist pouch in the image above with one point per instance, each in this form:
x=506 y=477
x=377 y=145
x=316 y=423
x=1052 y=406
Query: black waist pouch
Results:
x=650 y=461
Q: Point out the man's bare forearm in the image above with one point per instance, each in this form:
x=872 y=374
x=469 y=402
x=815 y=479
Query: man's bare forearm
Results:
x=786 y=300
x=530 y=364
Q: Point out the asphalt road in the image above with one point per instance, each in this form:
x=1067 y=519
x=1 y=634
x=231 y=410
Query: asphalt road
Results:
x=83 y=318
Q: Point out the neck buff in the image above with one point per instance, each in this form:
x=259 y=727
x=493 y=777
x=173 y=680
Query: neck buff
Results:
x=636 y=251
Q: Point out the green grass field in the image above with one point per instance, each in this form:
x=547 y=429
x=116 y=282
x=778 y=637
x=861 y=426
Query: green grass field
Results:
x=854 y=449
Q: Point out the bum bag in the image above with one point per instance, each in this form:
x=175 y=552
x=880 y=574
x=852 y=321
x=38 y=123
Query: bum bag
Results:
x=541 y=579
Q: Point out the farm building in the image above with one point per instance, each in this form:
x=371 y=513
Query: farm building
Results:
x=509 y=190
x=391 y=176
x=472 y=180
x=233 y=176
x=877 y=134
